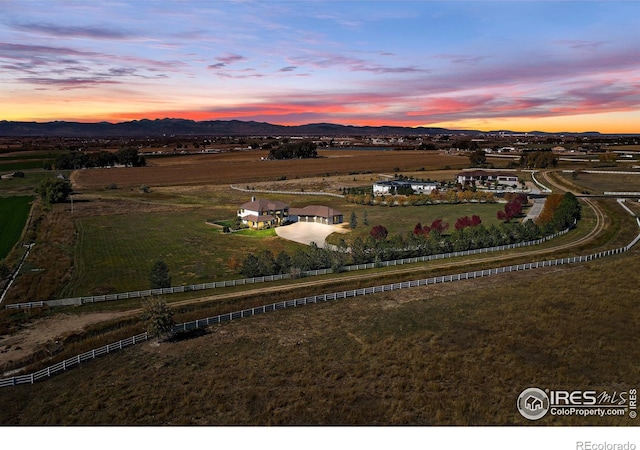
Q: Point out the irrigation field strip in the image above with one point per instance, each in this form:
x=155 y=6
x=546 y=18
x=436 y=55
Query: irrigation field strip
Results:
x=200 y=323
x=78 y=301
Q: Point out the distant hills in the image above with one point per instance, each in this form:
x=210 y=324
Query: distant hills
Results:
x=182 y=127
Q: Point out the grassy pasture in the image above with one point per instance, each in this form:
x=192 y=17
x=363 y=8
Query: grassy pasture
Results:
x=597 y=183
x=116 y=253
x=14 y=212
x=424 y=356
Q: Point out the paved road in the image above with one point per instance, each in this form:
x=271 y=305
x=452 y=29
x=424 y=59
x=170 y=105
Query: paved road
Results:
x=536 y=209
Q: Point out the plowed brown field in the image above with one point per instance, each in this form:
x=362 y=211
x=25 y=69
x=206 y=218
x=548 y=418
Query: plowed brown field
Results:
x=247 y=166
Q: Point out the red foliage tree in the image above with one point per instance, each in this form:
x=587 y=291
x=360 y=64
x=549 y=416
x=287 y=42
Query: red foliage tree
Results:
x=379 y=232
x=438 y=226
x=466 y=221
x=513 y=208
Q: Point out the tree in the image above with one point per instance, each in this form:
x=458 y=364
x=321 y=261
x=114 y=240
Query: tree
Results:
x=303 y=149
x=540 y=159
x=466 y=221
x=159 y=276
x=439 y=226
x=365 y=219
x=417 y=230
x=353 y=222
x=379 y=232
x=478 y=158
x=129 y=157
x=158 y=318
x=513 y=208
x=54 y=190
x=283 y=262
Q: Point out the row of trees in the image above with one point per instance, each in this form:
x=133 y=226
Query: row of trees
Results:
x=79 y=160
x=266 y=263
x=435 y=196
x=560 y=211
x=541 y=159
x=294 y=150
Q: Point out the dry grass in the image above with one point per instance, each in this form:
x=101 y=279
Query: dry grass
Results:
x=455 y=354
x=597 y=183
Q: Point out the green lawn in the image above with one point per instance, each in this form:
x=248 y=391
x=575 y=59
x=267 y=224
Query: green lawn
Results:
x=14 y=212
x=19 y=165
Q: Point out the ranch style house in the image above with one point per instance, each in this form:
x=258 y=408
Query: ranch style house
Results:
x=260 y=213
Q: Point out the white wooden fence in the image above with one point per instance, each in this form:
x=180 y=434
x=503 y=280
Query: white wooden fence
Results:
x=77 y=301
x=68 y=363
x=200 y=323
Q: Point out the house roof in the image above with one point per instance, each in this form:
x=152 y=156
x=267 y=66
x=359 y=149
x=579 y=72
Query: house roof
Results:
x=258 y=219
x=484 y=173
x=315 y=210
x=405 y=183
x=264 y=205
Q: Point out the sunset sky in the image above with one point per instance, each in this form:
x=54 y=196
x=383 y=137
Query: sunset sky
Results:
x=543 y=65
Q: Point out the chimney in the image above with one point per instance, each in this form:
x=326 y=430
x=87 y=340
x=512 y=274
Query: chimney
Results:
x=253 y=199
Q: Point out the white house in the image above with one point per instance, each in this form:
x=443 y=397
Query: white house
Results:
x=391 y=186
x=475 y=176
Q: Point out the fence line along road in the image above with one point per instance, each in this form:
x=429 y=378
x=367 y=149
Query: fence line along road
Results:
x=78 y=301
x=200 y=323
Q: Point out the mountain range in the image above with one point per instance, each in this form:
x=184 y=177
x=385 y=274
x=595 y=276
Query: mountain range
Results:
x=183 y=127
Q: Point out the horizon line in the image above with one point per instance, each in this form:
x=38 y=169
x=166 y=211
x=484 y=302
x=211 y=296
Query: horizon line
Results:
x=95 y=122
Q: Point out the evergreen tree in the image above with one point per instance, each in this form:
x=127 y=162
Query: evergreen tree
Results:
x=159 y=276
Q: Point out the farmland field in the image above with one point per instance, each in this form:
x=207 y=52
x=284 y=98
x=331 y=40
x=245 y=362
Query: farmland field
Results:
x=247 y=166
x=13 y=216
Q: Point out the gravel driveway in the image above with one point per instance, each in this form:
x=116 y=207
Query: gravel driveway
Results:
x=308 y=232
